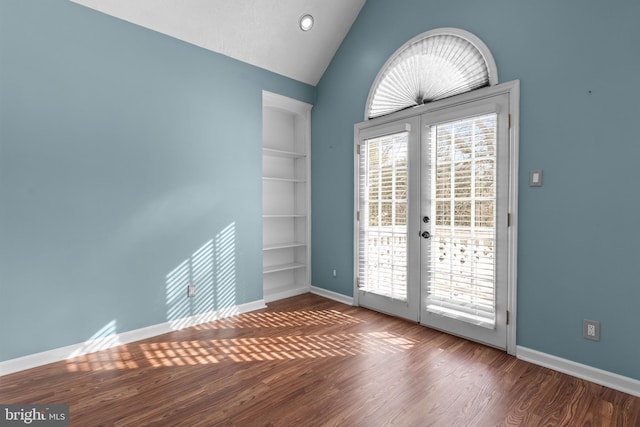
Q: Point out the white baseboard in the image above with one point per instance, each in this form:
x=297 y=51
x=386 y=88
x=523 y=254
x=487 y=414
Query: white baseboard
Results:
x=585 y=372
x=332 y=295
x=64 y=353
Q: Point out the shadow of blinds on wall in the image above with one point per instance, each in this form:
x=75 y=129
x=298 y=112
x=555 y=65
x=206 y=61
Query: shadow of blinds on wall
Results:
x=431 y=66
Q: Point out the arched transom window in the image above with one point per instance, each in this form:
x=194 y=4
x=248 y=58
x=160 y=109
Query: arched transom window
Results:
x=432 y=66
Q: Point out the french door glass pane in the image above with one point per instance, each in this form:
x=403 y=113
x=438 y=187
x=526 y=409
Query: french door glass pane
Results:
x=463 y=177
x=384 y=182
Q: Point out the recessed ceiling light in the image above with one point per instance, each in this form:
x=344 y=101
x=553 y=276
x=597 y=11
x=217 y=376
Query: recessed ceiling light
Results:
x=306 y=22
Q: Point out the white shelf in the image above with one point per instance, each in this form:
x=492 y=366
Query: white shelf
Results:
x=283 y=267
x=284 y=216
x=293 y=180
x=287 y=245
x=283 y=153
x=285 y=291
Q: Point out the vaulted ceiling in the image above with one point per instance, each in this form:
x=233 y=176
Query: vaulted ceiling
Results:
x=264 y=33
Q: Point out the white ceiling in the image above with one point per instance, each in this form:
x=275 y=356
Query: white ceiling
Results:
x=263 y=33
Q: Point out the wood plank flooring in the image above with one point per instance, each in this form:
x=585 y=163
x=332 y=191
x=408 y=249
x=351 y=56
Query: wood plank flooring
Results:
x=309 y=361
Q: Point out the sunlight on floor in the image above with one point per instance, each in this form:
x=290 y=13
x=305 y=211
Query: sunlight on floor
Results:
x=118 y=358
x=281 y=319
x=250 y=349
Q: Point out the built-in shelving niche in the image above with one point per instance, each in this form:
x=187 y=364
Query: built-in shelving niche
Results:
x=286 y=134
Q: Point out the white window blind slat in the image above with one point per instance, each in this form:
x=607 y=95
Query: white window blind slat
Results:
x=462 y=262
x=383 y=209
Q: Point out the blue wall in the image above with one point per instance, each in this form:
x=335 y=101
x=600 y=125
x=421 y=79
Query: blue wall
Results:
x=579 y=244
x=130 y=165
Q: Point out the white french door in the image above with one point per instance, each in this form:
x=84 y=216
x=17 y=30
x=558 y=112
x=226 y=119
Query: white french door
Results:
x=464 y=205
x=433 y=198
x=387 y=188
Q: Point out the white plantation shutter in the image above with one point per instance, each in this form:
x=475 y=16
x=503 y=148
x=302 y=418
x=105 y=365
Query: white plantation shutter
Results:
x=435 y=65
x=463 y=186
x=383 y=211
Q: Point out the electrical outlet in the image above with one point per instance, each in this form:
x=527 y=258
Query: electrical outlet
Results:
x=191 y=290
x=335 y=273
x=591 y=330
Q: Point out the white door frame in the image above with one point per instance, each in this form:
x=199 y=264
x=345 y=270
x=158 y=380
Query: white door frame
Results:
x=512 y=89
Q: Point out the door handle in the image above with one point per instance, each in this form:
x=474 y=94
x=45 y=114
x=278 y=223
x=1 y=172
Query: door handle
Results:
x=426 y=234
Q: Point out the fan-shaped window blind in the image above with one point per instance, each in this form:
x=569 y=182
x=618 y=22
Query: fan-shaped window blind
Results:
x=432 y=66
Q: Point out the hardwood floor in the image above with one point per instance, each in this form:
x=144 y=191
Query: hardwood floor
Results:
x=309 y=361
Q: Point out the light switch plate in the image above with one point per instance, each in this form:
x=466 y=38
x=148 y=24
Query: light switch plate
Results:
x=535 y=178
